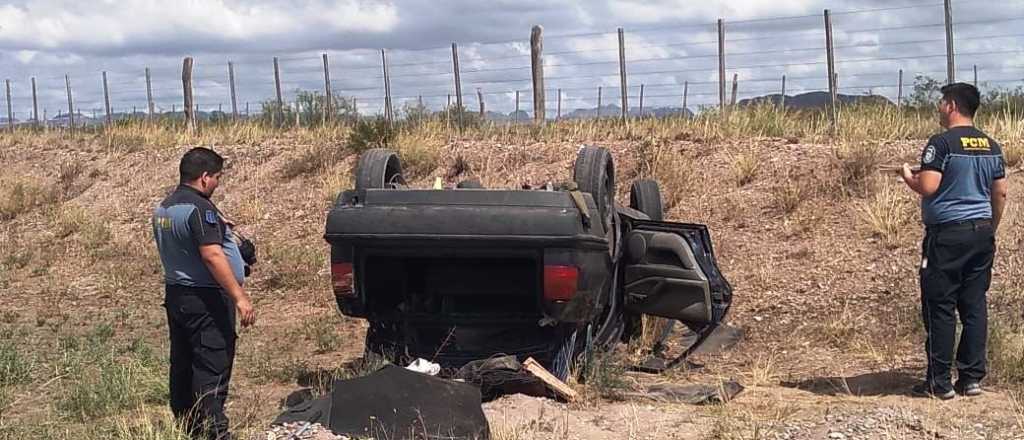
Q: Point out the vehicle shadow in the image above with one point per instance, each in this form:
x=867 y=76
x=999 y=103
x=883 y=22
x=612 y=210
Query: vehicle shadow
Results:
x=883 y=383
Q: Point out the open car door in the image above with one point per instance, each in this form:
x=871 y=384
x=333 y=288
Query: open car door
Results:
x=670 y=271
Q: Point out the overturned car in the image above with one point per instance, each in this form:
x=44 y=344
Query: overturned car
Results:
x=455 y=275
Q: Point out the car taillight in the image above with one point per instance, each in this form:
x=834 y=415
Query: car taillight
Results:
x=342 y=279
x=560 y=282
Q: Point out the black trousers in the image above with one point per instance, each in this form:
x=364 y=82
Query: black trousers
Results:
x=956 y=271
x=201 y=322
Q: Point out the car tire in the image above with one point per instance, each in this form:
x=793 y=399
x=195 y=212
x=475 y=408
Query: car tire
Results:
x=377 y=169
x=594 y=173
x=645 y=196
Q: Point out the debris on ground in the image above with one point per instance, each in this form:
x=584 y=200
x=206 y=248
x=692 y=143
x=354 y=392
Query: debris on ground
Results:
x=553 y=383
x=299 y=431
x=694 y=394
x=424 y=366
x=500 y=375
x=397 y=403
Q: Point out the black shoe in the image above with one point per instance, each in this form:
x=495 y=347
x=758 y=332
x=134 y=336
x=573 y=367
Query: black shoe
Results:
x=969 y=389
x=924 y=390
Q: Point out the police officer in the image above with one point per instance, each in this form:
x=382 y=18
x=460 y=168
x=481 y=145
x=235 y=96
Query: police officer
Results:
x=203 y=274
x=963 y=188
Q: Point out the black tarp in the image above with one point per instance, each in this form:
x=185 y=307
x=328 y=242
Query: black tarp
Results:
x=396 y=403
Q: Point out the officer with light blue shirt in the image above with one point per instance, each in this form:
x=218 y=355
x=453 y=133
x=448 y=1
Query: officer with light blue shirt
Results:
x=204 y=271
x=963 y=188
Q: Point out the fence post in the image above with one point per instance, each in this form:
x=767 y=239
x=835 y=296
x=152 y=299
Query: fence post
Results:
x=186 y=85
x=277 y=88
x=35 y=104
x=899 y=91
x=721 y=65
x=458 y=81
x=149 y=94
x=829 y=52
x=480 y=97
x=641 y=101
x=231 y=86
x=622 y=74
x=735 y=85
x=537 y=68
x=387 y=89
x=516 y=117
x=950 y=65
x=686 y=91
x=975 y=75
x=782 y=96
x=71 y=103
x=106 y=100
x=598 y=102
x=558 y=112
x=10 y=109
x=329 y=107
x=448 y=114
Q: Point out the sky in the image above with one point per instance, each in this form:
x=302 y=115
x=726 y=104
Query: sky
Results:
x=668 y=43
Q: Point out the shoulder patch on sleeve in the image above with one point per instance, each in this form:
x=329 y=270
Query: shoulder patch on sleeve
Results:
x=210 y=216
x=929 y=154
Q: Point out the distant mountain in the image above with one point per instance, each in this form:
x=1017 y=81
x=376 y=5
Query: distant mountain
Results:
x=814 y=100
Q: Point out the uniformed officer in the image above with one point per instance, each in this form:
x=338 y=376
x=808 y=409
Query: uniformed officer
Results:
x=963 y=188
x=203 y=274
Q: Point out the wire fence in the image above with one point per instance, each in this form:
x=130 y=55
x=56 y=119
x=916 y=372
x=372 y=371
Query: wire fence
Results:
x=660 y=70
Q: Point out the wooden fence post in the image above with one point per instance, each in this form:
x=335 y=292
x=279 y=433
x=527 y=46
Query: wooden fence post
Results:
x=558 y=111
x=516 y=117
x=277 y=86
x=899 y=91
x=598 y=102
x=329 y=107
x=686 y=91
x=735 y=85
x=782 y=96
x=388 y=110
x=458 y=81
x=10 y=109
x=186 y=86
x=721 y=65
x=71 y=103
x=975 y=75
x=231 y=87
x=149 y=94
x=537 y=69
x=480 y=97
x=35 y=104
x=950 y=58
x=641 y=101
x=829 y=52
x=622 y=74
x=106 y=100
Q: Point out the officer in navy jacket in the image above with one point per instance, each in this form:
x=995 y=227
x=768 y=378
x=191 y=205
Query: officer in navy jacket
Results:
x=203 y=275
x=963 y=188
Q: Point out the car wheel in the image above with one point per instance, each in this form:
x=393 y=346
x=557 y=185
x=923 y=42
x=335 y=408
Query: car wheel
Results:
x=378 y=168
x=594 y=173
x=645 y=196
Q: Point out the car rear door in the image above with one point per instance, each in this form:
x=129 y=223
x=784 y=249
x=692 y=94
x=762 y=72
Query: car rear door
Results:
x=671 y=272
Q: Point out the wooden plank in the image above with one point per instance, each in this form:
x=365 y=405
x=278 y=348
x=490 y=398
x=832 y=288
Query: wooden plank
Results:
x=458 y=82
x=149 y=94
x=830 y=58
x=329 y=107
x=231 y=86
x=552 y=382
x=71 y=103
x=106 y=100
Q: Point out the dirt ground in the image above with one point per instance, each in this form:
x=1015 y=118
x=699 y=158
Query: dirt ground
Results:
x=828 y=303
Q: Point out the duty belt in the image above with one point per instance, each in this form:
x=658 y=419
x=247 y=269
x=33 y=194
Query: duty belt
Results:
x=961 y=225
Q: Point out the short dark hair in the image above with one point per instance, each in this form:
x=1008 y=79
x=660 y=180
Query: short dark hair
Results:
x=966 y=97
x=197 y=161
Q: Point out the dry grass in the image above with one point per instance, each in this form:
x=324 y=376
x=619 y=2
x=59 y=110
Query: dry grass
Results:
x=790 y=192
x=857 y=166
x=745 y=167
x=887 y=213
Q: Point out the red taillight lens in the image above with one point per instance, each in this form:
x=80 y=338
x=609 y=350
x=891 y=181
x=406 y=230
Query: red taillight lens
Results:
x=342 y=279
x=560 y=282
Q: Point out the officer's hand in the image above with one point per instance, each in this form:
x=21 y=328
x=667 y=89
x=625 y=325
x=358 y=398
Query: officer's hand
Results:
x=907 y=173
x=246 y=312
